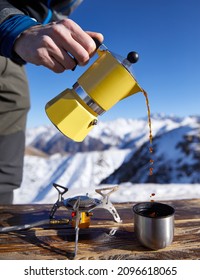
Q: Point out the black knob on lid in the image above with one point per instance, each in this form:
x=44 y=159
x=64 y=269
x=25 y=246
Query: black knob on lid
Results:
x=133 y=57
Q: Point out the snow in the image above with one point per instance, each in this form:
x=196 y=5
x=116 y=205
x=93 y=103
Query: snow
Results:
x=77 y=172
x=142 y=192
x=167 y=144
x=47 y=131
x=82 y=172
x=127 y=192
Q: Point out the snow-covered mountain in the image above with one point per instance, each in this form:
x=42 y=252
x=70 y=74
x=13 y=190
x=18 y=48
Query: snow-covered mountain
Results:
x=115 y=152
x=175 y=159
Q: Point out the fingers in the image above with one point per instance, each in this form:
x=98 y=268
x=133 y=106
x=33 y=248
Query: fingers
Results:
x=96 y=36
x=51 y=56
x=76 y=41
x=58 y=46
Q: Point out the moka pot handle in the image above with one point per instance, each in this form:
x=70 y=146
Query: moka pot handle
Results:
x=97 y=43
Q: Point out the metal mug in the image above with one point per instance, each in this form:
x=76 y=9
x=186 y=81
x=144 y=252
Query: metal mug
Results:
x=154 y=224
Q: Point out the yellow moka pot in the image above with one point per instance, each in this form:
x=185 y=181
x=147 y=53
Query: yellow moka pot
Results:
x=107 y=81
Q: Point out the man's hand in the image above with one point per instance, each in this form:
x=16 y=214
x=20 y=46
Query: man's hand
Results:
x=55 y=45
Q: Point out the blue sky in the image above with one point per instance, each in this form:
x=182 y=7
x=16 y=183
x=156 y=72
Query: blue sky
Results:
x=165 y=33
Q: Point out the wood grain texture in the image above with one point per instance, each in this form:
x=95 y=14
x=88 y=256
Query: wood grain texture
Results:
x=57 y=241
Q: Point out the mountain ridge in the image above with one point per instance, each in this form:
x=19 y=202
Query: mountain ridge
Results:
x=115 y=152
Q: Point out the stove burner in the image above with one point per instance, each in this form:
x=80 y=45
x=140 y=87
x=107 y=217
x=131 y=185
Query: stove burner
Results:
x=85 y=203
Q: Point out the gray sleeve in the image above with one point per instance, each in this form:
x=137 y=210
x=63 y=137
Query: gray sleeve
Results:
x=6 y=10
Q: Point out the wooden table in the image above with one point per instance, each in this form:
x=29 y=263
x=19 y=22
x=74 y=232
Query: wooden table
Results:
x=57 y=242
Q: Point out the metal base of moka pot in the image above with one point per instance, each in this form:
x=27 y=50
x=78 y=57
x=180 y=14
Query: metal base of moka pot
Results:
x=154 y=224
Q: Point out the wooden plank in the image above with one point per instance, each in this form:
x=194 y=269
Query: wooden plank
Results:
x=96 y=242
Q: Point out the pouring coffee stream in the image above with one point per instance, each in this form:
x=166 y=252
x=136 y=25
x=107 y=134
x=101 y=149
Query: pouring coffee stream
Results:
x=151 y=161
